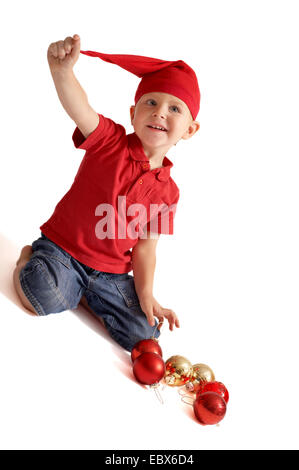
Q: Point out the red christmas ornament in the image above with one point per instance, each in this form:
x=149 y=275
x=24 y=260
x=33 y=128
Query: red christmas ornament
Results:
x=145 y=345
x=209 y=408
x=149 y=368
x=217 y=387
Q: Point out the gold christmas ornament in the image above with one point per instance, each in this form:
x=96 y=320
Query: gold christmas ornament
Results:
x=201 y=373
x=178 y=371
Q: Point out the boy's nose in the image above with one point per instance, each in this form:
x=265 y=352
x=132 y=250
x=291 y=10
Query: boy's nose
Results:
x=159 y=112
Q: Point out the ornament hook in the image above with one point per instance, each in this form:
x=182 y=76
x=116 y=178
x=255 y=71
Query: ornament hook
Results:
x=185 y=397
x=158 y=394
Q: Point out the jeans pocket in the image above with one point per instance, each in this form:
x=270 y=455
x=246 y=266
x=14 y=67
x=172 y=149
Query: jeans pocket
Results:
x=127 y=289
x=32 y=265
x=62 y=259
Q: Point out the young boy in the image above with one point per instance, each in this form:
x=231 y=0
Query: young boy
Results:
x=75 y=260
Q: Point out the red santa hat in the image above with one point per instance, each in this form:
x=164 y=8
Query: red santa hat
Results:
x=174 y=77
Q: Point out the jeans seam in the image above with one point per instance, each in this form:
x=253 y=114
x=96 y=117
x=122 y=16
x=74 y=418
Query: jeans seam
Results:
x=130 y=302
x=56 y=291
x=30 y=296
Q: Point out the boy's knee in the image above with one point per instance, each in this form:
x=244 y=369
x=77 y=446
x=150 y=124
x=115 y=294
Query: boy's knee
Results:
x=37 y=289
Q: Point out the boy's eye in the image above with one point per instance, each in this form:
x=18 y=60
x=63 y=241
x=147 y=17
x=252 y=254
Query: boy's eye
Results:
x=175 y=107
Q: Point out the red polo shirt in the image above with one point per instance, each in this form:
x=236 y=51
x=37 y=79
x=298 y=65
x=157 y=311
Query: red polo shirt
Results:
x=114 y=198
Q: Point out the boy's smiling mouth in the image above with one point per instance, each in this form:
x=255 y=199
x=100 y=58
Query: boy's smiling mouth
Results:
x=157 y=128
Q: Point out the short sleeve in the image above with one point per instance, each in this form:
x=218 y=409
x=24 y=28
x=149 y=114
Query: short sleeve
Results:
x=162 y=221
x=107 y=133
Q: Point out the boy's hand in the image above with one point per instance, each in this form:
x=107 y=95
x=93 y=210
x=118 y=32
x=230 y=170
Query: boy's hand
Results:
x=152 y=308
x=62 y=55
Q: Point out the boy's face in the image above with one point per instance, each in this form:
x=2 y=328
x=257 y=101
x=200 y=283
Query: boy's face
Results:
x=167 y=111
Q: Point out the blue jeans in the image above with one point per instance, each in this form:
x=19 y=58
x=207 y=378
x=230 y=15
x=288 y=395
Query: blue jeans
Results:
x=54 y=281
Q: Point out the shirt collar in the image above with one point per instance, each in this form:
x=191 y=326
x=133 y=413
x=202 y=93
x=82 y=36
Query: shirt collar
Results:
x=137 y=153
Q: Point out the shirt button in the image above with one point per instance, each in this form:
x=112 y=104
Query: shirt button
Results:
x=140 y=181
x=144 y=165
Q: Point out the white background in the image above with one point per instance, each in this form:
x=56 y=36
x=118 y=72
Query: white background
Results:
x=230 y=271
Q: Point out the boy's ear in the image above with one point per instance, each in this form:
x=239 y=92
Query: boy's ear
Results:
x=132 y=112
x=192 y=129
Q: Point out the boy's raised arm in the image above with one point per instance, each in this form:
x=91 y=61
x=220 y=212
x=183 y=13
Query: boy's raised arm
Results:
x=62 y=56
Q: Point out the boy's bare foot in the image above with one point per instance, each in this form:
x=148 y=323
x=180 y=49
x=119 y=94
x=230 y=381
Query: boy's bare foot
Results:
x=25 y=255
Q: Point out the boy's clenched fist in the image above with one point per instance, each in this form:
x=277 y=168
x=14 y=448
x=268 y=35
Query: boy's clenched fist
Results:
x=62 y=55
